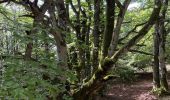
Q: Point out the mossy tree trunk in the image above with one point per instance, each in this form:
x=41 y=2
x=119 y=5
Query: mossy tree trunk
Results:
x=88 y=68
x=159 y=68
x=162 y=35
x=82 y=34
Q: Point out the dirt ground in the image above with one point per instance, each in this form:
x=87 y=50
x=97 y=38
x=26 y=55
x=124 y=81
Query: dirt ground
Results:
x=138 y=90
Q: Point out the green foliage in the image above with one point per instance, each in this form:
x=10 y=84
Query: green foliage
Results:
x=140 y=62
x=126 y=74
x=24 y=79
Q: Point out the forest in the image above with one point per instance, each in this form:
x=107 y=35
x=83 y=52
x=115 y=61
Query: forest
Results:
x=84 y=49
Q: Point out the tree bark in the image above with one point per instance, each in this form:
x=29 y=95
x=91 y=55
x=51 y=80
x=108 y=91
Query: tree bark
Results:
x=109 y=25
x=28 y=50
x=29 y=46
x=88 y=69
x=155 y=67
x=96 y=34
x=162 y=35
x=115 y=36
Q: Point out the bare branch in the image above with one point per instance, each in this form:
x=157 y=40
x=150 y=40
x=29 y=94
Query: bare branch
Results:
x=141 y=52
x=133 y=30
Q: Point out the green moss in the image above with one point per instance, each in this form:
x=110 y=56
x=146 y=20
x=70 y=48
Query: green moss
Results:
x=160 y=91
x=90 y=81
x=110 y=76
x=107 y=60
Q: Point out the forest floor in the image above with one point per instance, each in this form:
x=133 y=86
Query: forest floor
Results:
x=137 y=90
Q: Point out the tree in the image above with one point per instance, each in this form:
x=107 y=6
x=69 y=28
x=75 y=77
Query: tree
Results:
x=75 y=43
x=97 y=79
x=160 y=78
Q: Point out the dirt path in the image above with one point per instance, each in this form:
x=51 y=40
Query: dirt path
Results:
x=139 y=90
x=135 y=91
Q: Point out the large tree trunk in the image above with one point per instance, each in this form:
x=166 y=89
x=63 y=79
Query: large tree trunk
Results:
x=162 y=35
x=163 y=71
x=160 y=78
x=88 y=69
x=83 y=39
x=155 y=67
x=110 y=12
x=96 y=33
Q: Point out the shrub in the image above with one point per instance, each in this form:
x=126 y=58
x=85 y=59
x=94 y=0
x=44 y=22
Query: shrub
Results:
x=126 y=74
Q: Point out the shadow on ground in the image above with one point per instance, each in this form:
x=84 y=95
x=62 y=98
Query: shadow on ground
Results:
x=138 y=90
